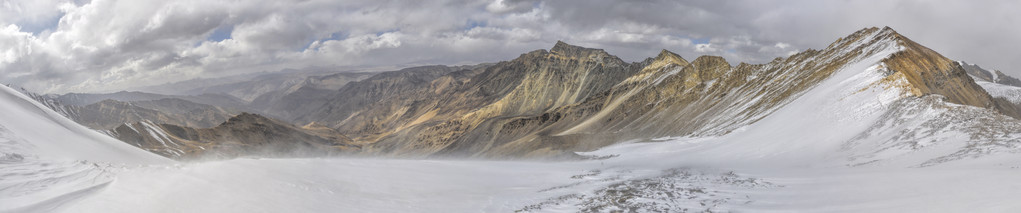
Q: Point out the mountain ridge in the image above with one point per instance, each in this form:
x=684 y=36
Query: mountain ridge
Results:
x=554 y=103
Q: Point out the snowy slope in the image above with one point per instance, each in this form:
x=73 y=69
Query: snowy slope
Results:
x=31 y=128
x=992 y=81
x=862 y=116
x=1011 y=93
x=47 y=160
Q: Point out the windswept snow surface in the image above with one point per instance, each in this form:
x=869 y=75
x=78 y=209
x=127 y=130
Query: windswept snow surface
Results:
x=47 y=160
x=1011 y=93
x=31 y=128
x=854 y=143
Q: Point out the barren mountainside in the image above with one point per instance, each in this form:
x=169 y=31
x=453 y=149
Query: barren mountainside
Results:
x=551 y=103
x=545 y=103
x=462 y=101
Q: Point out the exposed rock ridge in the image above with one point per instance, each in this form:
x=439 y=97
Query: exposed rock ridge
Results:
x=705 y=97
x=931 y=73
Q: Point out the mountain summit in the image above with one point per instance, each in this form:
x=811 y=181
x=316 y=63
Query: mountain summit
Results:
x=562 y=48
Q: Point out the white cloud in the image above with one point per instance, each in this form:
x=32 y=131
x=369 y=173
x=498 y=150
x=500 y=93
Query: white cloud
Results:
x=105 y=45
x=18 y=44
x=706 y=48
x=781 y=45
x=505 y=6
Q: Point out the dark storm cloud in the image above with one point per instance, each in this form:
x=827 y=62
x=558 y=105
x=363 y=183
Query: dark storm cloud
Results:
x=106 y=45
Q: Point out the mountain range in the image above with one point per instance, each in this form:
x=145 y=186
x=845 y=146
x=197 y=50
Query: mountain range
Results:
x=543 y=104
x=872 y=122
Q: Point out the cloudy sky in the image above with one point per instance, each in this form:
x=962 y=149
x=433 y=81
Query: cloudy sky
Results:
x=58 y=46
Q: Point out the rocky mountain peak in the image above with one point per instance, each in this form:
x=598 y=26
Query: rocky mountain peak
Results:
x=710 y=60
x=872 y=36
x=928 y=72
x=670 y=57
x=564 y=49
x=706 y=68
x=561 y=46
x=889 y=30
x=977 y=71
x=664 y=59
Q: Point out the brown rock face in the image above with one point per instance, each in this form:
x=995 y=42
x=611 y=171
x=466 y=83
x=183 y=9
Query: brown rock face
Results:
x=931 y=73
x=533 y=83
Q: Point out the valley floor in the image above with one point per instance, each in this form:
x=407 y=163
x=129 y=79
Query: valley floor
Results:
x=632 y=178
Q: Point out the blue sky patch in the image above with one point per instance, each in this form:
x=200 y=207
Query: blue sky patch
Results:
x=335 y=36
x=43 y=25
x=473 y=24
x=221 y=33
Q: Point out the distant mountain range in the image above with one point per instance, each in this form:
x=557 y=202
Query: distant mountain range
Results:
x=543 y=104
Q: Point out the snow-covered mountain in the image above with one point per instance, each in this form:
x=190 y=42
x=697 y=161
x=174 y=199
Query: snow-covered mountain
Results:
x=47 y=157
x=995 y=82
x=873 y=123
x=983 y=75
x=32 y=130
